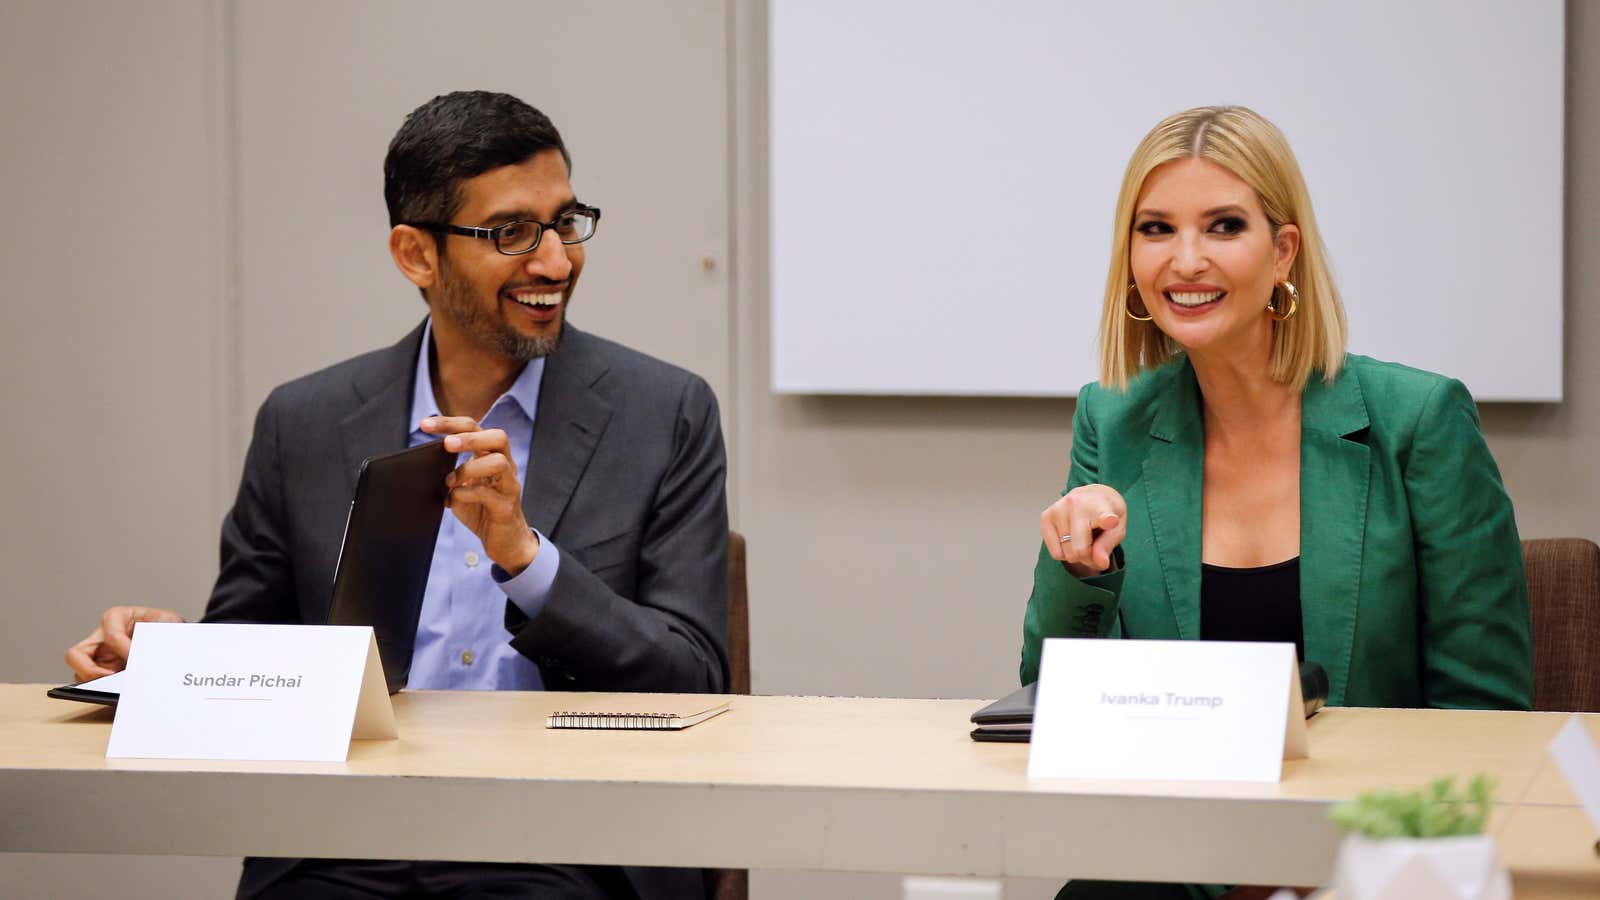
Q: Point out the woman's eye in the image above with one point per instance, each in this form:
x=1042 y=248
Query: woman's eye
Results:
x=1153 y=229
x=1228 y=225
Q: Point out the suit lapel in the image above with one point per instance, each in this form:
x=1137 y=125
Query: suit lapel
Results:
x=1173 y=476
x=1335 y=473
x=572 y=416
x=1335 y=468
x=383 y=404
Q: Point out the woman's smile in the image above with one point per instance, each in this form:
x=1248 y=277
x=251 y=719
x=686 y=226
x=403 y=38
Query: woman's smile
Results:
x=1193 y=299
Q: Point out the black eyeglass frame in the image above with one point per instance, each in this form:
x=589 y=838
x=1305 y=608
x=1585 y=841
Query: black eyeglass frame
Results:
x=493 y=234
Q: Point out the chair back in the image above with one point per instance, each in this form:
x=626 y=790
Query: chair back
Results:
x=734 y=884
x=738 y=617
x=1564 y=595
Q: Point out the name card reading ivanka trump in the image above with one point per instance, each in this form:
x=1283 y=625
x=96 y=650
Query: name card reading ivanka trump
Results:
x=267 y=692
x=1166 y=711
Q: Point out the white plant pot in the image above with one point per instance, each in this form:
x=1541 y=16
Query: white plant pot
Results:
x=1447 y=868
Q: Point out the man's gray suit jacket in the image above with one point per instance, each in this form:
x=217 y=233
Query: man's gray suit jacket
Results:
x=626 y=476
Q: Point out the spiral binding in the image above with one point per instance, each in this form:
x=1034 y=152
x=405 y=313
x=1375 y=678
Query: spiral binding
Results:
x=570 y=719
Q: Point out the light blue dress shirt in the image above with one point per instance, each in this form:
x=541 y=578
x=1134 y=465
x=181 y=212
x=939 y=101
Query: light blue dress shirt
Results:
x=462 y=642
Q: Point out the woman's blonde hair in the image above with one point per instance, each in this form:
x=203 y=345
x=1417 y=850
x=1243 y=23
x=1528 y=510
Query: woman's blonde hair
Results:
x=1244 y=143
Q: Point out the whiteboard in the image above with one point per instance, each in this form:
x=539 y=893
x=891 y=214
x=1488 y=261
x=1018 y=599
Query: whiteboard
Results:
x=943 y=177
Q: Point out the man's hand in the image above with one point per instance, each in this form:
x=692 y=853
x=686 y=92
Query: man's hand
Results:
x=105 y=651
x=484 y=492
x=1083 y=527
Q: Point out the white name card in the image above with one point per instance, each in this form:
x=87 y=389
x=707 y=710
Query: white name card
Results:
x=268 y=692
x=1166 y=711
x=1575 y=752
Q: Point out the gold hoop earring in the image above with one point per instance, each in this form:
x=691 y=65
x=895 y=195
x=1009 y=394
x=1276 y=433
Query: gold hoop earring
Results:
x=1127 y=305
x=1294 y=303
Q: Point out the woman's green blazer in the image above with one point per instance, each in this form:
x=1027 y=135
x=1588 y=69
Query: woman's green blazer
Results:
x=1412 y=589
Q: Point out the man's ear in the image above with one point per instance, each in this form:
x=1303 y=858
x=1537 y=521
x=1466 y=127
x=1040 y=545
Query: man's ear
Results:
x=416 y=255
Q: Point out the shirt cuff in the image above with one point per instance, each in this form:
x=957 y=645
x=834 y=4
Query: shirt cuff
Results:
x=531 y=589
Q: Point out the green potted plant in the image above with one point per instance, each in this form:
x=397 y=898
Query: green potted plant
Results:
x=1426 y=844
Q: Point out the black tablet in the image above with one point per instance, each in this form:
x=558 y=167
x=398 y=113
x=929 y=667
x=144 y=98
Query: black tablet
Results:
x=103 y=691
x=1009 y=719
x=388 y=548
x=1015 y=708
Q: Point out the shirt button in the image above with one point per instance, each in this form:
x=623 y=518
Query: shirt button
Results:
x=467 y=656
x=472 y=559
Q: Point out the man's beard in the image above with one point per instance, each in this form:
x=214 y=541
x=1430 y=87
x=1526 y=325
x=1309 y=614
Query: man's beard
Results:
x=460 y=303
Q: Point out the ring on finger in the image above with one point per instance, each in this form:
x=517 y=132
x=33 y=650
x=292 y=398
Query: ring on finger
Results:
x=1066 y=539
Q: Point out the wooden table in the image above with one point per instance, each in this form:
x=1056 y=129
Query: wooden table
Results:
x=777 y=782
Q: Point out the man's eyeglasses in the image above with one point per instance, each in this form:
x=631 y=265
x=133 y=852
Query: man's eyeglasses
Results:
x=516 y=238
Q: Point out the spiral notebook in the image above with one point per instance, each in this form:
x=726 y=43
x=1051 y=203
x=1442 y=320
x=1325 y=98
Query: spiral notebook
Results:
x=641 y=711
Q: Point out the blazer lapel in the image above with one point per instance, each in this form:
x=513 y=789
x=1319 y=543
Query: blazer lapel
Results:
x=1173 y=476
x=571 y=417
x=1335 y=468
x=383 y=403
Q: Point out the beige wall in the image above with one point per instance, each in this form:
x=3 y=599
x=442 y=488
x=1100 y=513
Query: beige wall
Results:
x=115 y=362
x=110 y=244
x=232 y=149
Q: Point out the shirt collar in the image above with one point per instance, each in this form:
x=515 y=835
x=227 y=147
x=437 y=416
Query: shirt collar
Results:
x=524 y=392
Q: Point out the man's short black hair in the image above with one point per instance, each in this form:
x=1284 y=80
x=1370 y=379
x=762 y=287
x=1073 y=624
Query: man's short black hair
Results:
x=452 y=138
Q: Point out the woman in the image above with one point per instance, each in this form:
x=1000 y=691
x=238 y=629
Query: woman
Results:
x=1236 y=475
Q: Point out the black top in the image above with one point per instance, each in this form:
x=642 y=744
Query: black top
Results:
x=1261 y=604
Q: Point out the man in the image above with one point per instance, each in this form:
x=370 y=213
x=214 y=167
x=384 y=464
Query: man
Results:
x=605 y=572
